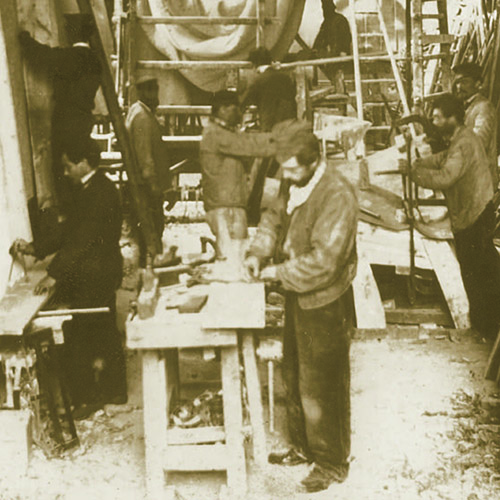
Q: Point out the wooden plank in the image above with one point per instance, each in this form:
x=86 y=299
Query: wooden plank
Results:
x=154 y=390
x=447 y=269
x=153 y=334
x=418 y=316
x=198 y=435
x=235 y=306
x=19 y=304
x=254 y=399
x=200 y=20
x=202 y=457
x=368 y=304
x=233 y=422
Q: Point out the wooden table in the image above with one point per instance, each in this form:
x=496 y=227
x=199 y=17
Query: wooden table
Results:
x=231 y=311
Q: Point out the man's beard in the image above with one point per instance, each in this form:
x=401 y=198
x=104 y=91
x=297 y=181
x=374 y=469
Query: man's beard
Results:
x=304 y=181
x=446 y=130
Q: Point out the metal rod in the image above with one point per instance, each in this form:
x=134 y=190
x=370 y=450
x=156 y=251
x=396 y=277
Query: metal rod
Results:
x=67 y=312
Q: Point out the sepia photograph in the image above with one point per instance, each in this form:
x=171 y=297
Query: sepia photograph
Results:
x=249 y=250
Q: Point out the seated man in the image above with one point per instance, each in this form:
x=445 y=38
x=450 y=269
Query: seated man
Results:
x=223 y=150
x=85 y=273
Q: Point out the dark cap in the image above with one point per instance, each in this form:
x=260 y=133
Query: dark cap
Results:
x=470 y=69
x=295 y=138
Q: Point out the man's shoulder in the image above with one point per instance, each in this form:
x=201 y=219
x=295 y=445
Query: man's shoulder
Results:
x=334 y=187
x=480 y=104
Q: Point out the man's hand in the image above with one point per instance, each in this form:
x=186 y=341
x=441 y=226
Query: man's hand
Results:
x=44 y=285
x=252 y=266
x=23 y=247
x=268 y=273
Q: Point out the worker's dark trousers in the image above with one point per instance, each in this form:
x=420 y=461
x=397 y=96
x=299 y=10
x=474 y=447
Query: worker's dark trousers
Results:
x=316 y=374
x=480 y=267
x=90 y=337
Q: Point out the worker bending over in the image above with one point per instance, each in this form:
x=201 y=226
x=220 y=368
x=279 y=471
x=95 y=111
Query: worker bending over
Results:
x=311 y=232
x=225 y=155
x=462 y=173
x=480 y=114
x=85 y=273
x=146 y=137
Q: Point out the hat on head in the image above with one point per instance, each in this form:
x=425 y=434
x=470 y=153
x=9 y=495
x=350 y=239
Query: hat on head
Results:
x=294 y=137
x=469 y=69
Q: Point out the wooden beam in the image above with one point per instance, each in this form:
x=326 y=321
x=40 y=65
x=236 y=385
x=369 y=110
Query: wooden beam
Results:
x=418 y=316
x=150 y=64
x=233 y=422
x=198 y=435
x=254 y=399
x=203 y=20
x=130 y=161
x=154 y=392
x=188 y=458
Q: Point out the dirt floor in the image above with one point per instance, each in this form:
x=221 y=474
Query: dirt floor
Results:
x=425 y=425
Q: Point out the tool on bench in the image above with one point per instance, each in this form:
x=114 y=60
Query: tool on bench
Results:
x=17 y=256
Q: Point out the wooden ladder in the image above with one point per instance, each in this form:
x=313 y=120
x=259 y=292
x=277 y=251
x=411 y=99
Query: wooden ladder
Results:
x=375 y=88
x=431 y=49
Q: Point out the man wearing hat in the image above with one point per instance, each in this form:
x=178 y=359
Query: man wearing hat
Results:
x=225 y=155
x=480 y=114
x=310 y=232
x=146 y=137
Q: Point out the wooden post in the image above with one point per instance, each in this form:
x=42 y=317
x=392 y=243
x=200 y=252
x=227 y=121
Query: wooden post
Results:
x=418 y=51
x=154 y=392
x=260 y=6
x=131 y=52
x=357 y=68
x=254 y=399
x=302 y=97
x=153 y=246
x=233 y=422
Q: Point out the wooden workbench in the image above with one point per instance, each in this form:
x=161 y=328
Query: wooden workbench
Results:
x=232 y=310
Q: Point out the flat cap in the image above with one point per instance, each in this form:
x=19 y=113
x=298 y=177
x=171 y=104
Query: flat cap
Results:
x=293 y=137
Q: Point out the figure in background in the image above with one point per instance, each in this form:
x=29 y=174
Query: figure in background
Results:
x=462 y=173
x=76 y=74
x=85 y=273
x=273 y=92
x=311 y=233
x=480 y=114
x=225 y=155
x=334 y=36
x=146 y=137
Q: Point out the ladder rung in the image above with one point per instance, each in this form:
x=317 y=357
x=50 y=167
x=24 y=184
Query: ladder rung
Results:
x=367 y=35
x=373 y=80
x=435 y=56
x=432 y=96
x=438 y=39
x=429 y=16
x=374 y=104
x=366 y=13
x=380 y=127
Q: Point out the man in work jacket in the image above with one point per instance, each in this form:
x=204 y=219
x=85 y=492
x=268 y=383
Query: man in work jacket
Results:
x=223 y=151
x=146 y=138
x=311 y=232
x=462 y=173
x=480 y=114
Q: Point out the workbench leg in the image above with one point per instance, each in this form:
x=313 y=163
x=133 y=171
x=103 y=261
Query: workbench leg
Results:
x=254 y=399
x=155 y=401
x=233 y=422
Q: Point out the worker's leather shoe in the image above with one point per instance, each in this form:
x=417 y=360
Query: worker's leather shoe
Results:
x=320 y=478
x=290 y=457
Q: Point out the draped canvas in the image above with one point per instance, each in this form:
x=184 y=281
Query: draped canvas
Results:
x=218 y=42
